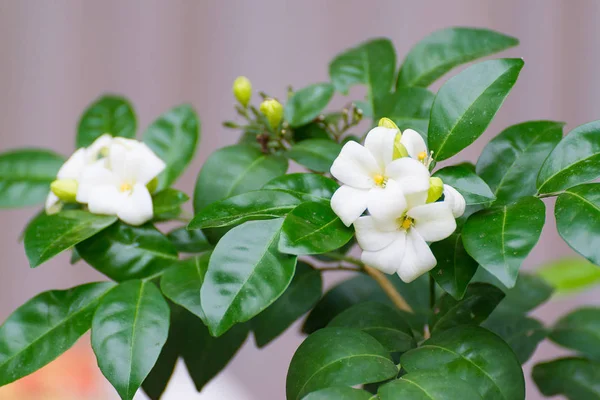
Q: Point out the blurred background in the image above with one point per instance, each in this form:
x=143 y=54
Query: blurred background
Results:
x=56 y=56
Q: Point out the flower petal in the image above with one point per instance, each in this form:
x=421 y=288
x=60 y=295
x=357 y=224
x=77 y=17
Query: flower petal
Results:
x=389 y=258
x=355 y=166
x=134 y=163
x=413 y=142
x=136 y=209
x=92 y=176
x=418 y=258
x=380 y=142
x=407 y=171
x=433 y=221
x=370 y=237
x=95 y=150
x=455 y=200
x=72 y=168
x=53 y=204
x=349 y=203
x=105 y=199
x=387 y=203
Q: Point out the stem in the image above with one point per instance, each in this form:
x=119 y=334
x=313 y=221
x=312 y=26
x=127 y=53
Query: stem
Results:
x=340 y=268
x=543 y=196
x=388 y=288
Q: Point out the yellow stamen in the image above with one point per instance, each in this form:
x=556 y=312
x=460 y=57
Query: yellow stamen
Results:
x=406 y=223
x=125 y=187
x=422 y=155
x=379 y=179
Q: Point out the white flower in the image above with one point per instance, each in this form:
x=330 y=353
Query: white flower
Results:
x=399 y=245
x=416 y=147
x=74 y=167
x=117 y=185
x=455 y=201
x=372 y=180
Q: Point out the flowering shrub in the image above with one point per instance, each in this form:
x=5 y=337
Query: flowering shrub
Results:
x=436 y=307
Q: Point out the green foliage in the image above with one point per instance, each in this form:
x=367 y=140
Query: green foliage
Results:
x=339 y=392
x=579 y=331
x=307 y=103
x=427 y=386
x=307 y=187
x=182 y=282
x=467 y=183
x=186 y=241
x=315 y=154
x=575 y=378
x=521 y=333
x=108 y=114
x=570 y=275
x=455 y=267
x=408 y=107
x=167 y=204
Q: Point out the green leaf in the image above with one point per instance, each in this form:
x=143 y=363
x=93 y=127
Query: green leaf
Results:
x=157 y=380
x=445 y=49
x=575 y=160
x=510 y=162
x=501 y=237
x=108 y=114
x=174 y=137
x=315 y=154
x=372 y=63
x=379 y=320
x=466 y=182
x=129 y=329
x=312 y=130
x=455 y=267
x=329 y=357
x=186 y=241
x=45 y=327
x=570 y=275
x=233 y=170
x=307 y=187
x=579 y=331
x=313 y=228
x=307 y=103
x=427 y=386
x=478 y=303
x=182 y=282
x=575 y=378
x=167 y=203
x=125 y=252
x=338 y=393
x=245 y=275
x=408 y=107
x=260 y=204
x=474 y=355
x=466 y=104
x=49 y=235
x=521 y=333
x=26 y=175
x=302 y=294
x=577 y=214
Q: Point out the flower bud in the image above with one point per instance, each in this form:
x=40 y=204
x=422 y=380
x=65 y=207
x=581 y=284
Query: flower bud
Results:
x=436 y=188
x=388 y=123
x=65 y=189
x=399 y=149
x=242 y=90
x=273 y=110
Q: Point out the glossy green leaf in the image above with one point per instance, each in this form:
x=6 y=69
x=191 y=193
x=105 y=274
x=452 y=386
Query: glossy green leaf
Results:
x=125 y=252
x=477 y=304
x=186 y=241
x=25 y=176
x=455 y=267
x=501 y=237
x=246 y=274
x=306 y=104
x=233 y=170
x=315 y=154
x=445 y=49
x=575 y=160
x=427 y=386
x=408 y=107
x=570 y=275
x=174 y=137
x=167 y=203
x=182 y=282
x=474 y=355
x=329 y=357
x=381 y=321
x=45 y=327
x=575 y=378
x=510 y=162
x=312 y=130
x=129 y=329
x=108 y=114
x=307 y=187
x=466 y=182
x=302 y=294
x=259 y=204
x=577 y=214
x=49 y=235
x=580 y=331
x=338 y=393
x=521 y=333
x=466 y=104
x=313 y=228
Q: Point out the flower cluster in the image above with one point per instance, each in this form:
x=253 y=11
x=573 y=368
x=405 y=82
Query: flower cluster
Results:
x=111 y=177
x=407 y=208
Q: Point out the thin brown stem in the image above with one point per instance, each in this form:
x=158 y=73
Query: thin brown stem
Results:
x=340 y=268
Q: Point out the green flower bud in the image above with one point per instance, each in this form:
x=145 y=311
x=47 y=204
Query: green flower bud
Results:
x=388 y=123
x=65 y=189
x=273 y=110
x=436 y=188
x=242 y=90
x=399 y=149
x=152 y=185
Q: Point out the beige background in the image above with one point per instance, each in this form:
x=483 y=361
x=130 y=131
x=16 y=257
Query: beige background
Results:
x=57 y=56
